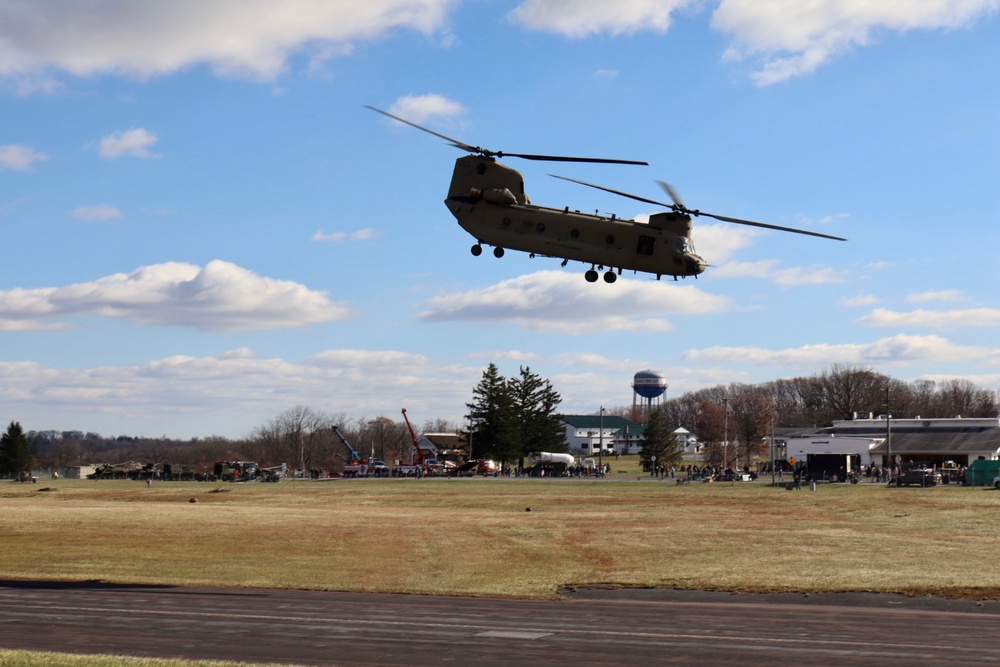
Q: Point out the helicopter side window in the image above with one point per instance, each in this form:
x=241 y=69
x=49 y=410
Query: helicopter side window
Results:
x=645 y=245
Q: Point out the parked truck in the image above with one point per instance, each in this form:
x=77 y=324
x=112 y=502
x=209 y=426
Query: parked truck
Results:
x=551 y=464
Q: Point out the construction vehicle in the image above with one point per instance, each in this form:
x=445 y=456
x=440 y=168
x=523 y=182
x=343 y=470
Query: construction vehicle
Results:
x=236 y=471
x=355 y=458
x=355 y=466
x=127 y=470
x=417 y=467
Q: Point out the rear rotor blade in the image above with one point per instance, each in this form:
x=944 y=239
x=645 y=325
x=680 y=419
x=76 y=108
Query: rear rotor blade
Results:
x=615 y=192
x=679 y=207
x=751 y=223
x=673 y=193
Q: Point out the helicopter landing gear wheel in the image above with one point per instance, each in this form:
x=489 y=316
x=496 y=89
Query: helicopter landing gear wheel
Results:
x=591 y=276
x=477 y=250
x=610 y=277
x=498 y=252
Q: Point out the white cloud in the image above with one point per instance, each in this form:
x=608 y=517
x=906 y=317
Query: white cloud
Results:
x=859 y=301
x=768 y=270
x=507 y=355
x=365 y=234
x=97 y=212
x=421 y=108
x=581 y=18
x=19 y=158
x=900 y=350
x=380 y=359
x=135 y=142
x=940 y=295
x=933 y=319
x=717 y=242
x=251 y=38
x=792 y=38
x=218 y=297
x=229 y=393
x=564 y=302
x=578 y=359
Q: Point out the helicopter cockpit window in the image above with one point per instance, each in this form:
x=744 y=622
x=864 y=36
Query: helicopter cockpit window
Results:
x=683 y=245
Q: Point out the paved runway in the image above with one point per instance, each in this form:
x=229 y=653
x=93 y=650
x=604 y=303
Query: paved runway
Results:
x=592 y=628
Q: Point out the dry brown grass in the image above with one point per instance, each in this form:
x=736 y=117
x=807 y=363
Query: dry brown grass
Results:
x=39 y=659
x=474 y=537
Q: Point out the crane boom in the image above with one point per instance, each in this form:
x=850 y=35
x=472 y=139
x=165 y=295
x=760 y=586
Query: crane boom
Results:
x=355 y=457
x=413 y=438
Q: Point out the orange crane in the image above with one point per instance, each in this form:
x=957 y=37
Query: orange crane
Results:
x=416 y=456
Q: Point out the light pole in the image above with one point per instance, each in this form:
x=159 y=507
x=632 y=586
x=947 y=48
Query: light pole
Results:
x=381 y=440
x=600 y=442
x=772 y=450
x=888 y=428
x=725 y=444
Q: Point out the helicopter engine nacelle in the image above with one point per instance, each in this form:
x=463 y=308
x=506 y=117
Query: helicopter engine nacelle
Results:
x=502 y=197
x=678 y=223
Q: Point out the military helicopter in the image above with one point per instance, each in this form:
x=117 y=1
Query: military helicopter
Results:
x=488 y=200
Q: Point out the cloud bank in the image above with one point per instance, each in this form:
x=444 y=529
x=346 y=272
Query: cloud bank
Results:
x=217 y=297
x=256 y=38
x=250 y=38
x=564 y=302
x=900 y=350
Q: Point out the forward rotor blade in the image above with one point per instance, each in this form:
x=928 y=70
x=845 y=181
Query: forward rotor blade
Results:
x=751 y=223
x=500 y=154
x=454 y=142
x=615 y=192
x=562 y=158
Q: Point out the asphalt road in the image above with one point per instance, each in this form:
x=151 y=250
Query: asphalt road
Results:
x=593 y=627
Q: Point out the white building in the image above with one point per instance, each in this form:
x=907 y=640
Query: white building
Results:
x=872 y=440
x=588 y=434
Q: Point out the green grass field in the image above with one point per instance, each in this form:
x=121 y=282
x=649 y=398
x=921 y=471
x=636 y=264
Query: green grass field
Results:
x=475 y=537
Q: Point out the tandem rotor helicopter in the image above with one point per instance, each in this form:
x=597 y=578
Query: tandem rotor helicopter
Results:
x=488 y=200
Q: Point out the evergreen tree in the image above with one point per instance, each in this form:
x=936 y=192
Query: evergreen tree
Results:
x=492 y=417
x=659 y=441
x=15 y=457
x=538 y=428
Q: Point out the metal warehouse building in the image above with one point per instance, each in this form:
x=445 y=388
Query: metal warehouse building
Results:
x=879 y=440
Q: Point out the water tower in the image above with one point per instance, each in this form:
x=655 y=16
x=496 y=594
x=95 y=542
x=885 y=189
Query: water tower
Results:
x=648 y=389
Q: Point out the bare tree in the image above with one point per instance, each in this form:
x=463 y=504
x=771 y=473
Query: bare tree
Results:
x=299 y=436
x=751 y=420
x=848 y=389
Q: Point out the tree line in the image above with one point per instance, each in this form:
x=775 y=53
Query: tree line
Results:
x=508 y=418
x=734 y=420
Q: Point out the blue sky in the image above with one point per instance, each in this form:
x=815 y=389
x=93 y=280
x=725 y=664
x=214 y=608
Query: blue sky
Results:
x=203 y=226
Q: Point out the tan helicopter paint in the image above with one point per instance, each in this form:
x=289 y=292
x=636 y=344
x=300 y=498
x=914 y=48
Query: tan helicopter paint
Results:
x=488 y=200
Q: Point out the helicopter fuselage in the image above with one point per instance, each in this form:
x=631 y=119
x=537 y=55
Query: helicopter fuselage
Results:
x=487 y=198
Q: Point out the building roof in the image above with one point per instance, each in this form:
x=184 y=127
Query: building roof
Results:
x=942 y=443
x=916 y=436
x=444 y=441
